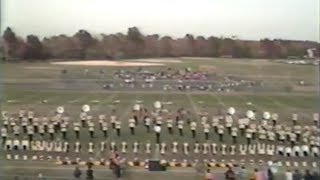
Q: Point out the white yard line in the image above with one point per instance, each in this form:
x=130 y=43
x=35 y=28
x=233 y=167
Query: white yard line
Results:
x=246 y=100
x=109 y=99
x=293 y=109
x=218 y=99
x=194 y=106
x=104 y=169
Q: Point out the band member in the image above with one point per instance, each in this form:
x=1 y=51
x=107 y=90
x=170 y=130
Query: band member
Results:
x=229 y=122
x=271 y=136
x=206 y=129
x=101 y=120
x=293 y=138
x=203 y=119
x=274 y=118
x=118 y=128
x=56 y=123
x=132 y=124
x=170 y=125
x=4 y=134
x=297 y=130
x=288 y=131
x=180 y=127
x=41 y=129
x=24 y=124
x=45 y=122
x=234 y=134
x=193 y=127
x=178 y=117
x=136 y=119
x=77 y=147
x=21 y=114
x=305 y=136
x=16 y=130
x=6 y=123
x=262 y=134
x=64 y=130
x=113 y=120
x=105 y=129
x=12 y=123
x=91 y=129
x=316 y=119
x=242 y=128
x=282 y=136
x=90 y=147
x=249 y=135
x=83 y=118
x=135 y=147
x=277 y=128
x=30 y=116
x=215 y=124
x=294 y=119
x=220 y=132
x=35 y=124
x=51 y=131
x=147 y=123
x=253 y=128
x=312 y=141
x=30 y=132
x=76 y=129
x=159 y=121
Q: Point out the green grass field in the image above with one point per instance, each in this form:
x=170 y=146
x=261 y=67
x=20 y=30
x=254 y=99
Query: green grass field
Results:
x=304 y=102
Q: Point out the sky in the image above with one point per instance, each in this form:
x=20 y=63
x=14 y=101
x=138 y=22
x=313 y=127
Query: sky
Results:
x=246 y=19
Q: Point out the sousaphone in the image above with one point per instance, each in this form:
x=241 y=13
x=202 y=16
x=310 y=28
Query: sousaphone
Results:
x=60 y=109
x=85 y=108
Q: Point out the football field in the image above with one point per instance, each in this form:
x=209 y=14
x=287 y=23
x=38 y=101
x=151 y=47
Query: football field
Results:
x=41 y=87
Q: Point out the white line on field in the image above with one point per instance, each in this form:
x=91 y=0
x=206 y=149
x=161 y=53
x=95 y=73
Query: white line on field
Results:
x=218 y=99
x=294 y=109
x=96 y=169
x=246 y=100
x=194 y=107
x=109 y=99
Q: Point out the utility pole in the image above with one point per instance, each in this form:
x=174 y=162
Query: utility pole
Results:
x=318 y=87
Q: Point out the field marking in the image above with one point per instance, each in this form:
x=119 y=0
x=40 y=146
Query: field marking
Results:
x=123 y=115
x=194 y=107
x=291 y=108
x=103 y=169
x=215 y=96
x=107 y=100
x=246 y=100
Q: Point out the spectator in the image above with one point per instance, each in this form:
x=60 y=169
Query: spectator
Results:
x=208 y=175
x=289 y=175
x=270 y=174
x=307 y=175
x=230 y=175
x=254 y=175
x=242 y=173
x=77 y=173
x=297 y=175
x=89 y=173
x=115 y=165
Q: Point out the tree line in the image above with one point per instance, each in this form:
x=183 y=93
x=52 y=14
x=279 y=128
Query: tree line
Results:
x=134 y=44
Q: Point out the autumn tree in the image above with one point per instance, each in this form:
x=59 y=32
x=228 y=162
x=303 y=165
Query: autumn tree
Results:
x=11 y=43
x=165 y=47
x=151 y=46
x=214 y=44
x=189 y=49
x=34 y=48
x=84 y=41
x=135 y=44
